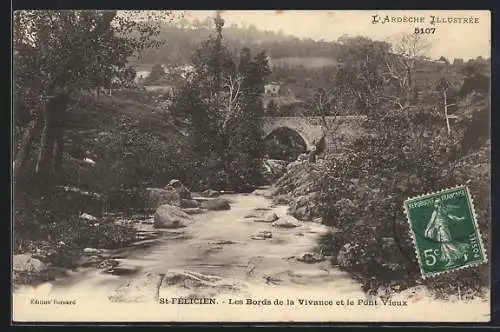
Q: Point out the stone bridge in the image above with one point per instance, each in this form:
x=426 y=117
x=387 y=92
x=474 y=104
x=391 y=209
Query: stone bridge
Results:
x=310 y=127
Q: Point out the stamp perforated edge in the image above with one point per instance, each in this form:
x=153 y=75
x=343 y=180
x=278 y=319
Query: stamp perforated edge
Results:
x=476 y=226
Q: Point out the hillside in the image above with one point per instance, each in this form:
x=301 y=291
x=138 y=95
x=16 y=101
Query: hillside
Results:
x=299 y=66
x=179 y=43
x=117 y=132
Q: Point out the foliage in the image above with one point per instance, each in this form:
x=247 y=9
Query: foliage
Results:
x=157 y=73
x=362 y=76
x=41 y=220
x=81 y=234
x=134 y=146
x=223 y=105
x=404 y=152
x=475 y=79
x=407 y=154
x=73 y=50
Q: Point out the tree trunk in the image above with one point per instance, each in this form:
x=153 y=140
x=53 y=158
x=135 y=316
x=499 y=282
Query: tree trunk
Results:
x=45 y=156
x=26 y=144
x=446 y=112
x=51 y=130
x=408 y=91
x=58 y=151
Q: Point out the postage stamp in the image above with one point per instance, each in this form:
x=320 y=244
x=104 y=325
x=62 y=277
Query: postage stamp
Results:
x=445 y=231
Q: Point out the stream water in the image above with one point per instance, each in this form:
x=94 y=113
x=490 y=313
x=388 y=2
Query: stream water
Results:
x=219 y=243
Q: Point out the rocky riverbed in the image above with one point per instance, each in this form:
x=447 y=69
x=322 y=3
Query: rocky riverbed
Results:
x=253 y=250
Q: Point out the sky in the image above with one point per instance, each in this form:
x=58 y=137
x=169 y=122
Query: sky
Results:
x=452 y=40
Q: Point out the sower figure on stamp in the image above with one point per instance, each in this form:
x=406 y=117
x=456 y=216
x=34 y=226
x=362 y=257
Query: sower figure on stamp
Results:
x=438 y=230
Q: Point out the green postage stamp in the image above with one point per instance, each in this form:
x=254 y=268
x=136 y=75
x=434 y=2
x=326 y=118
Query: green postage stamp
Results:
x=445 y=231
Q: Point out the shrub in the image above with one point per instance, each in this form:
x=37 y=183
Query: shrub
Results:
x=81 y=234
x=363 y=192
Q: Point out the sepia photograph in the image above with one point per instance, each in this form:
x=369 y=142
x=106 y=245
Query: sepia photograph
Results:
x=251 y=166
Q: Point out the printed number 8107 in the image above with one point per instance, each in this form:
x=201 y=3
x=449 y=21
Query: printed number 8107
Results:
x=425 y=30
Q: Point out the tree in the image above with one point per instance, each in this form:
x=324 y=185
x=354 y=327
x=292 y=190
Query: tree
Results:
x=245 y=131
x=212 y=63
x=183 y=23
x=443 y=59
x=72 y=50
x=400 y=63
x=232 y=86
x=330 y=102
x=361 y=76
x=475 y=79
x=443 y=86
x=157 y=73
x=226 y=120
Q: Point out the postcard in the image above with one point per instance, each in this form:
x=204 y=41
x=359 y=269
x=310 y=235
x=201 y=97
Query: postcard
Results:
x=251 y=166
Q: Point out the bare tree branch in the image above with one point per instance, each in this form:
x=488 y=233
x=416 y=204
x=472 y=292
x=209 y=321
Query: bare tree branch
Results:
x=401 y=60
x=233 y=86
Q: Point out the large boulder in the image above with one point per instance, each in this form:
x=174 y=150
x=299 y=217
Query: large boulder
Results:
x=91 y=251
x=210 y=193
x=198 y=284
x=267 y=217
x=189 y=203
x=26 y=269
x=311 y=257
x=25 y=263
x=169 y=216
x=196 y=210
x=184 y=192
x=157 y=197
x=273 y=169
x=287 y=222
x=216 y=204
x=262 y=235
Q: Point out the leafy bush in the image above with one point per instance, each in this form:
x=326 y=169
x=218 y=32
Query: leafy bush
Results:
x=363 y=193
x=81 y=234
x=50 y=220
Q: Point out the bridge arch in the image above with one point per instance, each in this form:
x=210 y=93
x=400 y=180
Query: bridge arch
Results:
x=311 y=128
x=307 y=128
x=285 y=143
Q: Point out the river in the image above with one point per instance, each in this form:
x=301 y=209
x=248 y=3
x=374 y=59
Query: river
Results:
x=219 y=245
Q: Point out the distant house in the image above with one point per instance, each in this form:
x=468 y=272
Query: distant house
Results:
x=272 y=89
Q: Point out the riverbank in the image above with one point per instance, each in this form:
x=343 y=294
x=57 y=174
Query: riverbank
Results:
x=221 y=255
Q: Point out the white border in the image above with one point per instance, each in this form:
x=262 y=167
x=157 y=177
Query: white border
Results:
x=474 y=217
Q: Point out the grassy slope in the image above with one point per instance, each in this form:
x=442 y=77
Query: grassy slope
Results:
x=117 y=132
x=111 y=112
